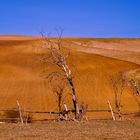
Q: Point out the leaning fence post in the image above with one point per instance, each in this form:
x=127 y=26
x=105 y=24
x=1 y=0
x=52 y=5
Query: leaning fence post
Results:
x=20 y=113
x=112 y=113
x=66 y=109
x=65 y=106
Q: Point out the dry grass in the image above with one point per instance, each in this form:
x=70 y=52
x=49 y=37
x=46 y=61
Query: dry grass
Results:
x=93 y=130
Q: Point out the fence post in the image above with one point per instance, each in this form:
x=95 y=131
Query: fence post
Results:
x=66 y=109
x=112 y=113
x=20 y=113
x=65 y=106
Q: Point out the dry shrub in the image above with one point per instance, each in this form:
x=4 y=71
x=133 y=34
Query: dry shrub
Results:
x=13 y=116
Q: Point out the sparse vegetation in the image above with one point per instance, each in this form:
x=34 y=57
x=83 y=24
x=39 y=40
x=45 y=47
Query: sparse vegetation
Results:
x=13 y=116
x=23 y=82
x=58 y=85
x=58 y=58
x=118 y=83
x=94 y=130
x=133 y=80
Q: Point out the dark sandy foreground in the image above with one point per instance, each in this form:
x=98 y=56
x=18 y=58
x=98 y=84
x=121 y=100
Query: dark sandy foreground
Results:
x=112 y=130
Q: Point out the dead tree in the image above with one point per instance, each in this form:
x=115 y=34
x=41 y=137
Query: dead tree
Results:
x=135 y=85
x=83 y=110
x=58 y=83
x=118 y=84
x=58 y=58
x=133 y=81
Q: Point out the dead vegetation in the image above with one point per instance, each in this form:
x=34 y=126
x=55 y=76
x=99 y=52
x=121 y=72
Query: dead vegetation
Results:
x=58 y=58
x=13 y=116
x=133 y=81
x=118 y=83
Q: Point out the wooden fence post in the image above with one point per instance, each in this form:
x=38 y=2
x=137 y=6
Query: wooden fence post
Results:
x=65 y=106
x=112 y=113
x=20 y=112
x=66 y=109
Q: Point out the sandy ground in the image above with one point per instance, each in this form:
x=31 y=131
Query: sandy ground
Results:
x=93 y=130
x=17 y=37
x=21 y=77
x=20 y=80
x=123 y=49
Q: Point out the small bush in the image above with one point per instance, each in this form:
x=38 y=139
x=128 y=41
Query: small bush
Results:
x=11 y=116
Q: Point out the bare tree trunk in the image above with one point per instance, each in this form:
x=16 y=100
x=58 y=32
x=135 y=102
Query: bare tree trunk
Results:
x=75 y=102
x=73 y=92
x=118 y=106
x=59 y=103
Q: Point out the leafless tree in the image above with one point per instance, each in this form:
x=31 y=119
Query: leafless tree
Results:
x=58 y=83
x=134 y=83
x=118 y=84
x=83 y=110
x=58 y=58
